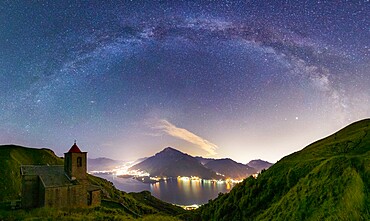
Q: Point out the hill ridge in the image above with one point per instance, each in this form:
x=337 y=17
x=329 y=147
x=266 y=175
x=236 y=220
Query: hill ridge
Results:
x=327 y=179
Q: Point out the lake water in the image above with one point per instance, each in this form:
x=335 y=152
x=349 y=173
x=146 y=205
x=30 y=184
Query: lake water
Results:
x=180 y=192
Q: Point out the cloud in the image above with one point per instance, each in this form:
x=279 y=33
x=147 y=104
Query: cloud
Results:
x=165 y=127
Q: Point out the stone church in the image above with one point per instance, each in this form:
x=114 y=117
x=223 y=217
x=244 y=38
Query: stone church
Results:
x=58 y=185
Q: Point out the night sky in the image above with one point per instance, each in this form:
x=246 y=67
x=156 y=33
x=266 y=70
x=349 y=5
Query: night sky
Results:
x=237 y=79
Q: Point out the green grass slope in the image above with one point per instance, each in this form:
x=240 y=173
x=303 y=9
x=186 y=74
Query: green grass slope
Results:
x=328 y=180
x=136 y=204
x=11 y=158
x=116 y=204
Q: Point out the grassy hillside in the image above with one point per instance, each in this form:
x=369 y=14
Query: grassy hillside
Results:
x=329 y=179
x=11 y=158
x=116 y=204
x=136 y=204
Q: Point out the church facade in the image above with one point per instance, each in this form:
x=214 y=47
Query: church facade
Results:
x=59 y=186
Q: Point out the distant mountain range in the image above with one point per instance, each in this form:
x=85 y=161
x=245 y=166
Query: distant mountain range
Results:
x=259 y=164
x=230 y=168
x=172 y=163
x=103 y=164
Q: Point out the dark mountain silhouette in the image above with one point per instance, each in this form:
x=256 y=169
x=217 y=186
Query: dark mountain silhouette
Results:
x=172 y=163
x=204 y=161
x=259 y=164
x=230 y=169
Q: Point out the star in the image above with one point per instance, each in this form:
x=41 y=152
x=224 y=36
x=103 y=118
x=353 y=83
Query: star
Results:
x=101 y=72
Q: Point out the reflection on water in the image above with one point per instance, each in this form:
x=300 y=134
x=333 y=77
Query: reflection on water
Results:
x=177 y=191
x=187 y=192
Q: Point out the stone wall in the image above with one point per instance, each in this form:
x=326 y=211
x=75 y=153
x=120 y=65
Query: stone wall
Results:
x=41 y=194
x=30 y=191
x=66 y=196
x=95 y=198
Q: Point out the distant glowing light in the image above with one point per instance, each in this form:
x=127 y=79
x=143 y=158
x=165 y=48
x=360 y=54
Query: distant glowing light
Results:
x=124 y=170
x=184 y=178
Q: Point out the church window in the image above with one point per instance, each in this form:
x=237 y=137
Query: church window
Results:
x=79 y=161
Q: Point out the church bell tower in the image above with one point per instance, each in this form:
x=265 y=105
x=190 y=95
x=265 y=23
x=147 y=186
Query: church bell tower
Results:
x=75 y=164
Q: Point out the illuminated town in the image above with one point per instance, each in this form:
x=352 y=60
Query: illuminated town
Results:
x=124 y=172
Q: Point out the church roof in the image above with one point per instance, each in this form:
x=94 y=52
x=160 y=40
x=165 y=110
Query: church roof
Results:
x=74 y=149
x=50 y=175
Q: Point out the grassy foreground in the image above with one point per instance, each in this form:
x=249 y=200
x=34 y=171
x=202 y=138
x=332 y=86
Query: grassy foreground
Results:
x=328 y=180
x=98 y=213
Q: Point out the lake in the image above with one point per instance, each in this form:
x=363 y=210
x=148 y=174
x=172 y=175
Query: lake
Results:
x=180 y=192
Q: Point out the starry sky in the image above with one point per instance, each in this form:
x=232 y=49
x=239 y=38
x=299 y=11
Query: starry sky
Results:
x=238 y=79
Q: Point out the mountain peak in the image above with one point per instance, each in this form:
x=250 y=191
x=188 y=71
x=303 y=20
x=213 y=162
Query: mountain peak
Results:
x=172 y=163
x=170 y=151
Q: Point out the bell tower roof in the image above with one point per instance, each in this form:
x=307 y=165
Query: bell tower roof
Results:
x=74 y=149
